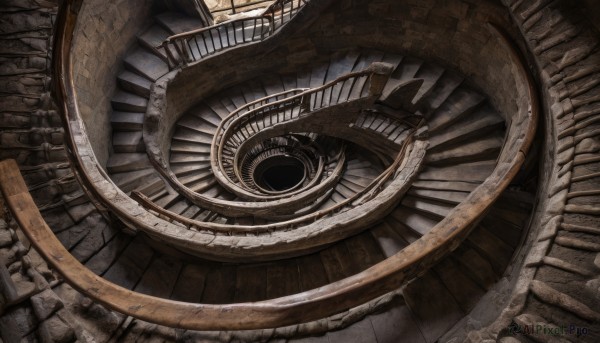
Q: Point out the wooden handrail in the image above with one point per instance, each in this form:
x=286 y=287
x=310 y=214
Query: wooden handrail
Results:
x=302 y=307
x=362 y=196
x=180 y=41
x=377 y=75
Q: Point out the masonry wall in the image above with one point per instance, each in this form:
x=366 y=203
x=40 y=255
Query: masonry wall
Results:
x=104 y=32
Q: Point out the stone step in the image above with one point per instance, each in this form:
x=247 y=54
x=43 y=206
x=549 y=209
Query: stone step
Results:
x=480 y=123
x=119 y=163
x=432 y=207
x=212 y=111
x=431 y=75
x=190 y=168
x=460 y=103
x=152 y=38
x=134 y=83
x=416 y=221
x=198 y=124
x=432 y=305
x=445 y=86
x=145 y=63
x=465 y=172
x=128 y=142
x=272 y=84
x=128 y=102
x=450 y=197
x=127 y=121
x=189 y=135
x=178 y=23
x=177 y=158
x=468 y=151
x=390 y=242
x=444 y=186
x=177 y=146
x=129 y=181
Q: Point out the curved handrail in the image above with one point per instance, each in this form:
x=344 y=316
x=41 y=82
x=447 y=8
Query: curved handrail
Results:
x=262 y=26
x=310 y=305
x=374 y=75
x=362 y=196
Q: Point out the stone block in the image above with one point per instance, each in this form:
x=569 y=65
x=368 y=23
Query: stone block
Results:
x=54 y=330
x=45 y=304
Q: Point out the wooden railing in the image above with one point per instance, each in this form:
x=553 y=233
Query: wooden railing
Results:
x=367 y=83
x=191 y=46
x=361 y=197
x=318 y=303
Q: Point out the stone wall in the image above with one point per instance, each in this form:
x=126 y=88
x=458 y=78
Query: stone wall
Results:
x=104 y=32
x=451 y=33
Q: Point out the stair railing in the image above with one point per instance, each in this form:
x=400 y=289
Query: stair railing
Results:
x=195 y=45
x=375 y=77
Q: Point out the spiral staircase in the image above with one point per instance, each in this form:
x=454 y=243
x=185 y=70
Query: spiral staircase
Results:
x=363 y=194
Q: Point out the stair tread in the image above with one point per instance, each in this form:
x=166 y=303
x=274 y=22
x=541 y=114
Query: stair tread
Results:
x=282 y=279
x=127 y=121
x=312 y=272
x=134 y=83
x=364 y=250
x=467 y=172
x=104 y=258
x=128 y=181
x=435 y=208
x=365 y=60
x=460 y=103
x=359 y=332
x=432 y=305
x=178 y=23
x=197 y=123
x=124 y=162
x=443 y=88
x=445 y=185
x=416 y=221
x=128 y=102
x=396 y=324
x=341 y=66
x=430 y=75
x=154 y=36
x=190 y=283
x=389 y=241
x=452 y=197
x=465 y=291
x=289 y=82
x=251 y=283
x=318 y=75
x=145 y=63
x=183 y=157
x=216 y=111
x=492 y=248
x=407 y=69
x=128 y=141
x=160 y=277
x=476 y=266
x=131 y=264
x=479 y=123
x=468 y=151
x=181 y=170
x=221 y=281
x=183 y=133
x=336 y=263
x=272 y=84
x=95 y=238
x=180 y=146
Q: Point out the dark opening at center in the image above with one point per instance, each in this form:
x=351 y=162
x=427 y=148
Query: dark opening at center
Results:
x=279 y=173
